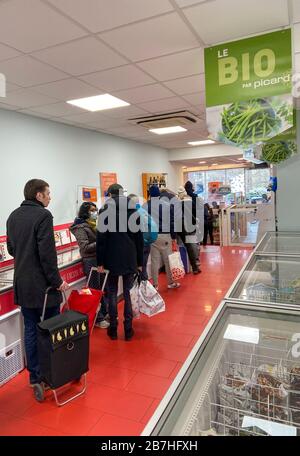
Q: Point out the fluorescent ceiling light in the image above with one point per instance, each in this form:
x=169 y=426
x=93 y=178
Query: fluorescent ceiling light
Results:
x=215 y=164
x=202 y=163
x=167 y=130
x=201 y=143
x=98 y=102
x=242 y=334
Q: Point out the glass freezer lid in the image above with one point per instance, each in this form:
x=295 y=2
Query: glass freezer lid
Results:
x=244 y=378
x=269 y=279
x=6 y=279
x=280 y=243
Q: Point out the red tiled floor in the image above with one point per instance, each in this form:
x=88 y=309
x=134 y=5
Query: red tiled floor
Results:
x=127 y=379
x=149 y=385
x=114 y=425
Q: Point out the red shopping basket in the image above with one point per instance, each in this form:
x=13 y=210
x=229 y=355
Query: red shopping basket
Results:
x=87 y=300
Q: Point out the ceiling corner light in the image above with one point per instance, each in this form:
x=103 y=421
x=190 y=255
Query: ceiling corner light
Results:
x=202 y=163
x=167 y=130
x=98 y=102
x=201 y=143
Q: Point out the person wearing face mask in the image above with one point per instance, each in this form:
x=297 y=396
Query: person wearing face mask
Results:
x=30 y=240
x=85 y=229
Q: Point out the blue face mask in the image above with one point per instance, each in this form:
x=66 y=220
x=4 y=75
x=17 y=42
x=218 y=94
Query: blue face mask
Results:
x=93 y=215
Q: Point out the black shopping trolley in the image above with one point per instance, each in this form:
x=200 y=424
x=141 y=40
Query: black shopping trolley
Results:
x=63 y=351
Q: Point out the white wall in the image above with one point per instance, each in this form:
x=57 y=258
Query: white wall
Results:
x=288 y=194
x=190 y=153
x=66 y=157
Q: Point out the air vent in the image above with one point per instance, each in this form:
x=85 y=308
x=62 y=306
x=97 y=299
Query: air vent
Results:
x=169 y=119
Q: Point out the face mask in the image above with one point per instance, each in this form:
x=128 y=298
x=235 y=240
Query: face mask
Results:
x=93 y=215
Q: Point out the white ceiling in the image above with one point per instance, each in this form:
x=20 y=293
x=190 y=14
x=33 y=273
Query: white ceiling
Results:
x=147 y=52
x=228 y=160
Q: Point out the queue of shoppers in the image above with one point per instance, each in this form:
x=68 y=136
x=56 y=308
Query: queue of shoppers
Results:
x=118 y=238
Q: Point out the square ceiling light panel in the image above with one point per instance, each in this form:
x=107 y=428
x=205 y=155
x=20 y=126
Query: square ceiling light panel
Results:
x=205 y=142
x=99 y=102
x=168 y=130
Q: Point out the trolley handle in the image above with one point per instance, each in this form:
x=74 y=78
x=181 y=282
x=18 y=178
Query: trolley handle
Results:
x=94 y=269
x=46 y=299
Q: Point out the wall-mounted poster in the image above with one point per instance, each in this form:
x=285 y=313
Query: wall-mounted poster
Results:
x=106 y=180
x=148 y=179
x=249 y=89
x=89 y=194
x=213 y=187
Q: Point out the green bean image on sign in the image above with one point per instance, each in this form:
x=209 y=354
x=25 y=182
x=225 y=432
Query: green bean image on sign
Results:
x=278 y=151
x=249 y=122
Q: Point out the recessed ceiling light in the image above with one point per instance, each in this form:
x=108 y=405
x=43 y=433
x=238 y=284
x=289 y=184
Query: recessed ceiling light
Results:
x=215 y=164
x=98 y=102
x=201 y=143
x=202 y=163
x=167 y=130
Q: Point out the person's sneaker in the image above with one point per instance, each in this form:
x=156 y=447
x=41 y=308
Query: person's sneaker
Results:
x=174 y=285
x=112 y=333
x=103 y=324
x=129 y=335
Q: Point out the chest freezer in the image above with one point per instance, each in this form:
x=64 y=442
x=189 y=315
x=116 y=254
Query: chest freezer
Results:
x=241 y=379
x=280 y=243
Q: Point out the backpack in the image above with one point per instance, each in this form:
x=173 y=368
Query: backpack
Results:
x=148 y=227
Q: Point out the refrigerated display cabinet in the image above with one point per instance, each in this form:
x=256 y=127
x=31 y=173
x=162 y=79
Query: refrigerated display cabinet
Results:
x=280 y=243
x=242 y=377
x=273 y=279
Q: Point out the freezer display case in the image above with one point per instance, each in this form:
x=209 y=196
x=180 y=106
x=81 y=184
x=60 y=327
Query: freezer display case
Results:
x=280 y=243
x=270 y=279
x=241 y=379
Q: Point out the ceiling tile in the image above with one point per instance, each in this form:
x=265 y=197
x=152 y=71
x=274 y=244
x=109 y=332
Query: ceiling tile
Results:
x=82 y=56
x=296 y=10
x=57 y=110
x=108 y=124
x=98 y=15
x=35 y=25
x=26 y=71
x=297 y=37
x=183 y=3
x=190 y=84
x=236 y=18
x=90 y=117
x=7 y=107
x=165 y=105
x=195 y=99
x=10 y=87
x=67 y=89
x=25 y=98
x=146 y=93
x=34 y=114
x=175 y=66
x=124 y=77
x=7 y=52
x=127 y=112
x=152 y=38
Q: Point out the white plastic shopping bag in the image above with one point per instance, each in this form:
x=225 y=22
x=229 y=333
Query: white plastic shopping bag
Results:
x=135 y=299
x=176 y=266
x=151 y=303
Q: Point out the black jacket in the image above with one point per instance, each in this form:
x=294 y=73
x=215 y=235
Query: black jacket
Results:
x=31 y=243
x=86 y=238
x=118 y=248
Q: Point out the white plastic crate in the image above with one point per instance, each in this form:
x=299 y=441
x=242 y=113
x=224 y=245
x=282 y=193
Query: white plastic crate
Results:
x=11 y=346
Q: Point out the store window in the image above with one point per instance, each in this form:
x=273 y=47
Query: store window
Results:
x=257 y=181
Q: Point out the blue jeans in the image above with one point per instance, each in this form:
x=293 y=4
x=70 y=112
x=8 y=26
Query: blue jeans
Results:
x=31 y=318
x=112 y=285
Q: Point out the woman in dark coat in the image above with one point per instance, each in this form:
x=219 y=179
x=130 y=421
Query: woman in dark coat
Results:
x=84 y=229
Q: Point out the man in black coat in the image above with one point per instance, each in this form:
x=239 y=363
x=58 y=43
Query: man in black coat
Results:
x=30 y=240
x=119 y=248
